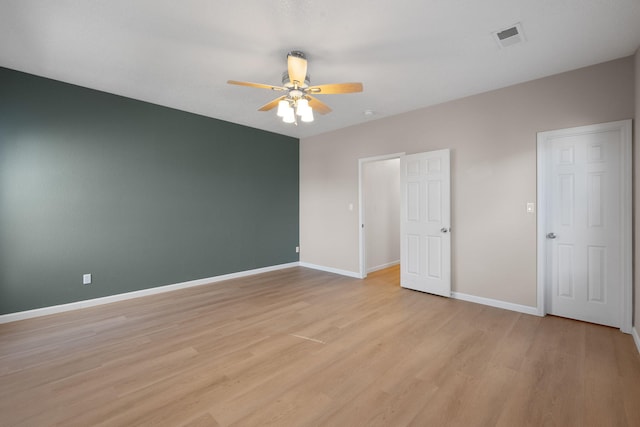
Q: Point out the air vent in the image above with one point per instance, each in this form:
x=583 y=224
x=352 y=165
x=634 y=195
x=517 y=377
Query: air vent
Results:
x=509 y=36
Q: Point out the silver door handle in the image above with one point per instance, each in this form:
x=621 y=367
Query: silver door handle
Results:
x=445 y=229
x=551 y=236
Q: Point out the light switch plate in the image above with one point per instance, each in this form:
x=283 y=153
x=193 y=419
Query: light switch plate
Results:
x=531 y=207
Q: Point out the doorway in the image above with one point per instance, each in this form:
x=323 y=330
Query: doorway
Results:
x=584 y=223
x=379 y=194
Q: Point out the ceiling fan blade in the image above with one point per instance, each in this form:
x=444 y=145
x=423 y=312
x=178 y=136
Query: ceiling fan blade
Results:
x=258 y=85
x=271 y=105
x=297 y=67
x=335 y=88
x=318 y=105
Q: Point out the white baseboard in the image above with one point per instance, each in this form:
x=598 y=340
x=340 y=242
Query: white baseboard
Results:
x=636 y=338
x=38 y=312
x=383 y=266
x=331 y=270
x=45 y=311
x=496 y=303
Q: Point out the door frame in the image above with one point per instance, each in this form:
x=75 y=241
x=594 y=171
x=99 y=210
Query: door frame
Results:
x=543 y=149
x=361 y=196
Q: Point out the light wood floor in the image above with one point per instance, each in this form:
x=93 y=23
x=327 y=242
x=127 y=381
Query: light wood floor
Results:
x=299 y=347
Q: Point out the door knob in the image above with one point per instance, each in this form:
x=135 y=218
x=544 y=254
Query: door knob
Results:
x=445 y=229
x=551 y=236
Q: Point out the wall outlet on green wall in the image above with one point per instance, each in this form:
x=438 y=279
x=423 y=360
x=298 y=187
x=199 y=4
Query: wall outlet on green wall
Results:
x=86 y=279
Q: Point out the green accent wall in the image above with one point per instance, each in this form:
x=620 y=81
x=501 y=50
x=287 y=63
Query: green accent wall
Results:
x=136 y=194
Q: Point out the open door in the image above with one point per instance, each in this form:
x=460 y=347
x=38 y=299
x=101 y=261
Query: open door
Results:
x=425 y=233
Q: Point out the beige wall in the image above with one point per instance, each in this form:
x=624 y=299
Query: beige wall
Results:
x=636 y=168
x=493 y=142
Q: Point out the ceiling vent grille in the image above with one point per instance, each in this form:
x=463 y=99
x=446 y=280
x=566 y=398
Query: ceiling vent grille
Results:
x=509 y=36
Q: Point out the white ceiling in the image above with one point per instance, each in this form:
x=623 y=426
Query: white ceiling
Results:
x=408 y=53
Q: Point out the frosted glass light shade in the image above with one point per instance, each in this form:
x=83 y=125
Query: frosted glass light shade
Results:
x=283 y=105
x=289 y=115
x=302 y=107
x=307 y=116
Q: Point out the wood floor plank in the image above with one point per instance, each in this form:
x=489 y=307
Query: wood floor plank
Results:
x=301 y=347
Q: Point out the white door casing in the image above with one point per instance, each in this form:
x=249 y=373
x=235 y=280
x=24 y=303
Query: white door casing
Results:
x=584 y=223
x=425 y=228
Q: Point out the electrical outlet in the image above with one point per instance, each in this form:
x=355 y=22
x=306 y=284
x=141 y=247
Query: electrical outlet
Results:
x=297 y=249
x=531 y=207
x=86 y=279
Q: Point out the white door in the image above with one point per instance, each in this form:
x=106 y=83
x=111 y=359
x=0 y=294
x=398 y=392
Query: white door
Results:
x=425 y=238
x=585 y=187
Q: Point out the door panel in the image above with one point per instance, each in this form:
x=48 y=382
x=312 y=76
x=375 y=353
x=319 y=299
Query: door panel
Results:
x=425 y=222
x=413 y=254
x=596 y=279
x=434 y=257
x=566 y=277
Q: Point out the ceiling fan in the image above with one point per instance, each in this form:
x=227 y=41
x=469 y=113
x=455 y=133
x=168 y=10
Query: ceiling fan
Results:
x=297 y=100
